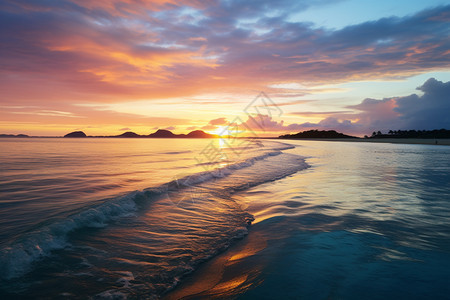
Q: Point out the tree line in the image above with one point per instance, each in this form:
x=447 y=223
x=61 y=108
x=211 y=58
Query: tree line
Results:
x=417 y=134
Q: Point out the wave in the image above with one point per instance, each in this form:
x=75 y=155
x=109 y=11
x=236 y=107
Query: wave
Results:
x=176 y=152
x=17 y=258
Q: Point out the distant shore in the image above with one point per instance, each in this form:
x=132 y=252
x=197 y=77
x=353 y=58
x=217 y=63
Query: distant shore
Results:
x=385 y=140
x=445 y=142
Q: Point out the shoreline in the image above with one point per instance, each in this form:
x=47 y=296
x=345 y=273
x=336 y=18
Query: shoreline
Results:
x=438 y=142
x=226 y=275
x=237 y=270
x=445 y=142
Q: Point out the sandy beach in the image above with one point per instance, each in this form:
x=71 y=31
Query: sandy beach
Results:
x=391 y=141
x=226 y=275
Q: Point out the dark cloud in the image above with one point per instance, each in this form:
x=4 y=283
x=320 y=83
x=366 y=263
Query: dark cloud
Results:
x=429 y=111
x=421 y=112
x=426 y=112
x=376 y=114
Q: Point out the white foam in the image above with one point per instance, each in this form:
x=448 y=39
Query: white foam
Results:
x=111 y=295
x=125 y=280
x=16 y=259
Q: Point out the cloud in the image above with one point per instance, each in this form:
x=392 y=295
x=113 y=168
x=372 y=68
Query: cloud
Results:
x=266 y=123
x=215 y=123
x=208 y=127
x=292 y=102
x=124 y=129
x=271 y=126
x=95 y=52
x=374 y=113
x=319 y=113
x=170 y=128
x=219 y=121
x=429 y=111
x=68 y=114
x=426 y=112
x=111 y=51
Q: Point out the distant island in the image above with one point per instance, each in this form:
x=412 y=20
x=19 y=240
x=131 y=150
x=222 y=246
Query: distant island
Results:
x=160 y=133
x=14 y=136
x=316 y=134
x=411 y=134
x=377 y=136
x=76 y=134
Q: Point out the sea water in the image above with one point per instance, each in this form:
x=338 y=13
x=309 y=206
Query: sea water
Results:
x=365 y=221
x=123 y=217
x=131 y=218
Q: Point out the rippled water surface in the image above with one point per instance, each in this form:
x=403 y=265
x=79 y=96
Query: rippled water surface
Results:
x=131 y=218
x=366 y=221
x=123 y=217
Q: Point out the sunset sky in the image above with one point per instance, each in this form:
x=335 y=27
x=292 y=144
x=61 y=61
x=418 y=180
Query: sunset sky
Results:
x=106 y=67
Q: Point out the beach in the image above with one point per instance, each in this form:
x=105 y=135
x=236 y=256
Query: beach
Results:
x=389 y=141
x=314 y=244
x=226 y=149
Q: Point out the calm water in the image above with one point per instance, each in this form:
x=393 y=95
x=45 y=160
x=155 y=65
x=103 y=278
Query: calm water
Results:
x=117 y=218
x=366 y=221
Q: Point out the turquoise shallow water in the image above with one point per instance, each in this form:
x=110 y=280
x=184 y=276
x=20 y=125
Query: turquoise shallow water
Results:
x=109 y=218
x=366 y=221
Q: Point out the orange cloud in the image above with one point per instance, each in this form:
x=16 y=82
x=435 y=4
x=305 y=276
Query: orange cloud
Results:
x=60 y=54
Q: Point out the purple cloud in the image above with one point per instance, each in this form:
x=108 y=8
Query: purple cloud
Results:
x=107 y=51
x=426 y=112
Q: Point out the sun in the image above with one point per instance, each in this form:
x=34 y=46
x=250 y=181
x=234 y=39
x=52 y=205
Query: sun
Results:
x=222 y=131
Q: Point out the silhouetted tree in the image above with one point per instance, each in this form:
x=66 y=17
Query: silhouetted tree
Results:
x=412 y=133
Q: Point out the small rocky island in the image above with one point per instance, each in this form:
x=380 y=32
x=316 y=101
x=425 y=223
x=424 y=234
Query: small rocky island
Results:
x=160 y=133
x=317 y=134
x=14 y=136
x=76 y=134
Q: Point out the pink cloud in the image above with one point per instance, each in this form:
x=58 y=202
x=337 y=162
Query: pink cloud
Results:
x=61 y=53
x=219 y=121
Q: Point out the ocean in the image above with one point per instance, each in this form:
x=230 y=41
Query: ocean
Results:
x=135 y=218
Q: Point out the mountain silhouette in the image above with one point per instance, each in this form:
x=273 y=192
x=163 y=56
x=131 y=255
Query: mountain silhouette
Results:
x=316 y=134
x=76 y=134
x=129 y=134
x=199 y=134
x=160 y=133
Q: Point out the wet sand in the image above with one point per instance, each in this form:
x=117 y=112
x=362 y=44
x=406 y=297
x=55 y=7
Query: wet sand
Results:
x=226 y=275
